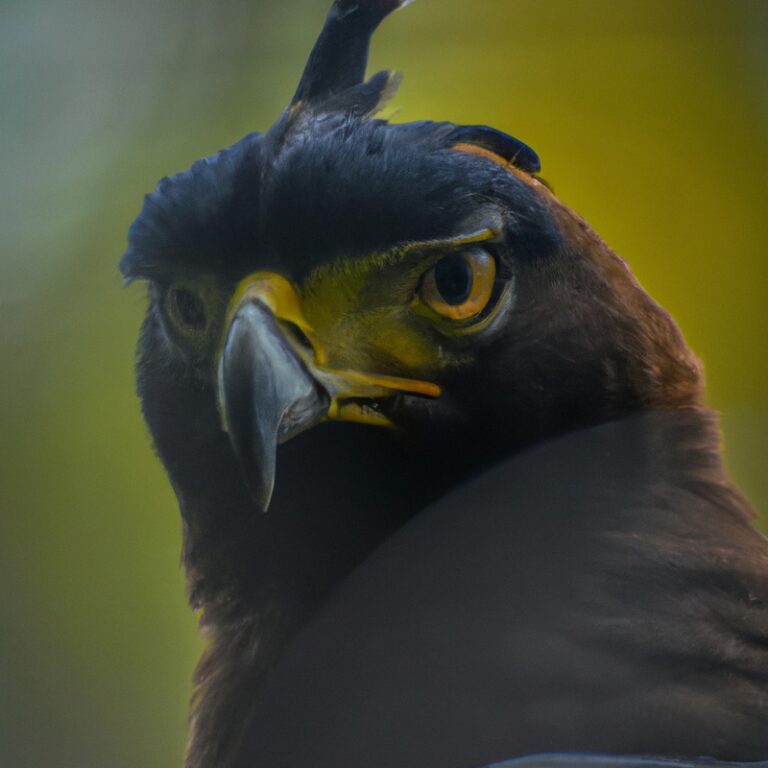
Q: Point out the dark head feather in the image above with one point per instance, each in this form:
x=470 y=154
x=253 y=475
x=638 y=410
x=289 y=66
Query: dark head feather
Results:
x=338 y=60
x=200 y=219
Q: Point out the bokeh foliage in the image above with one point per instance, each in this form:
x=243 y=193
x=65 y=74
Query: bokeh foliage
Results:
x=650 y=117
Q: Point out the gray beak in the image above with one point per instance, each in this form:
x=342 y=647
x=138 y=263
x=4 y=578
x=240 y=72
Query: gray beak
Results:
x=266 y=395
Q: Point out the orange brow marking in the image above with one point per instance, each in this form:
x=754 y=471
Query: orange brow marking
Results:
x=473 y=149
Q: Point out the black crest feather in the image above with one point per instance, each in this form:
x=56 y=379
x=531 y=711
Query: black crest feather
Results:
x=338 y=60
x=367 y=98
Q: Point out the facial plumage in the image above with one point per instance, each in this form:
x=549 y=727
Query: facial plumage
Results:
x=356 y=215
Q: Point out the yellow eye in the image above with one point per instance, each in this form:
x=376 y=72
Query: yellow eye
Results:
x=460 y=285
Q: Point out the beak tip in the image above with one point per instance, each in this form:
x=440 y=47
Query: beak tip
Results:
x=259 y=475
x=261 y=495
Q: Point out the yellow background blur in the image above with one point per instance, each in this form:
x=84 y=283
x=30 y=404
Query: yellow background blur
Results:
x=650 y=117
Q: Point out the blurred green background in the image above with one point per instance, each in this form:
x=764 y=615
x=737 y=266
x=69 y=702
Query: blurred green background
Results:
x=651 y=118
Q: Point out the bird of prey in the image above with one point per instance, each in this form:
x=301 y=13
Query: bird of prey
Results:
x=497 y=520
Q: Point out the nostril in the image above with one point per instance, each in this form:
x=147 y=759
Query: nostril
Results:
x=297 y=335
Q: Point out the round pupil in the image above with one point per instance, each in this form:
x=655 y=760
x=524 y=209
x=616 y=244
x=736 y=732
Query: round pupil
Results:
x=189 y=308
x=453 y=278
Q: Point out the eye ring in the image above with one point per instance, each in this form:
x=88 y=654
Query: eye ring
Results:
x=187 y=309
x=460 y=285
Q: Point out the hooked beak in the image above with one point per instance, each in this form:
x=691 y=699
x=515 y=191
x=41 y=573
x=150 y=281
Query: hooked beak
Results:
x=274 y=381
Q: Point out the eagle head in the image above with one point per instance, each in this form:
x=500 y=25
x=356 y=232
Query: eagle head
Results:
x=418 y=277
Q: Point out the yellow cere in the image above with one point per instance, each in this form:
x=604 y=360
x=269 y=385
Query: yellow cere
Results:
x=348 y=376
x=280 y=296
